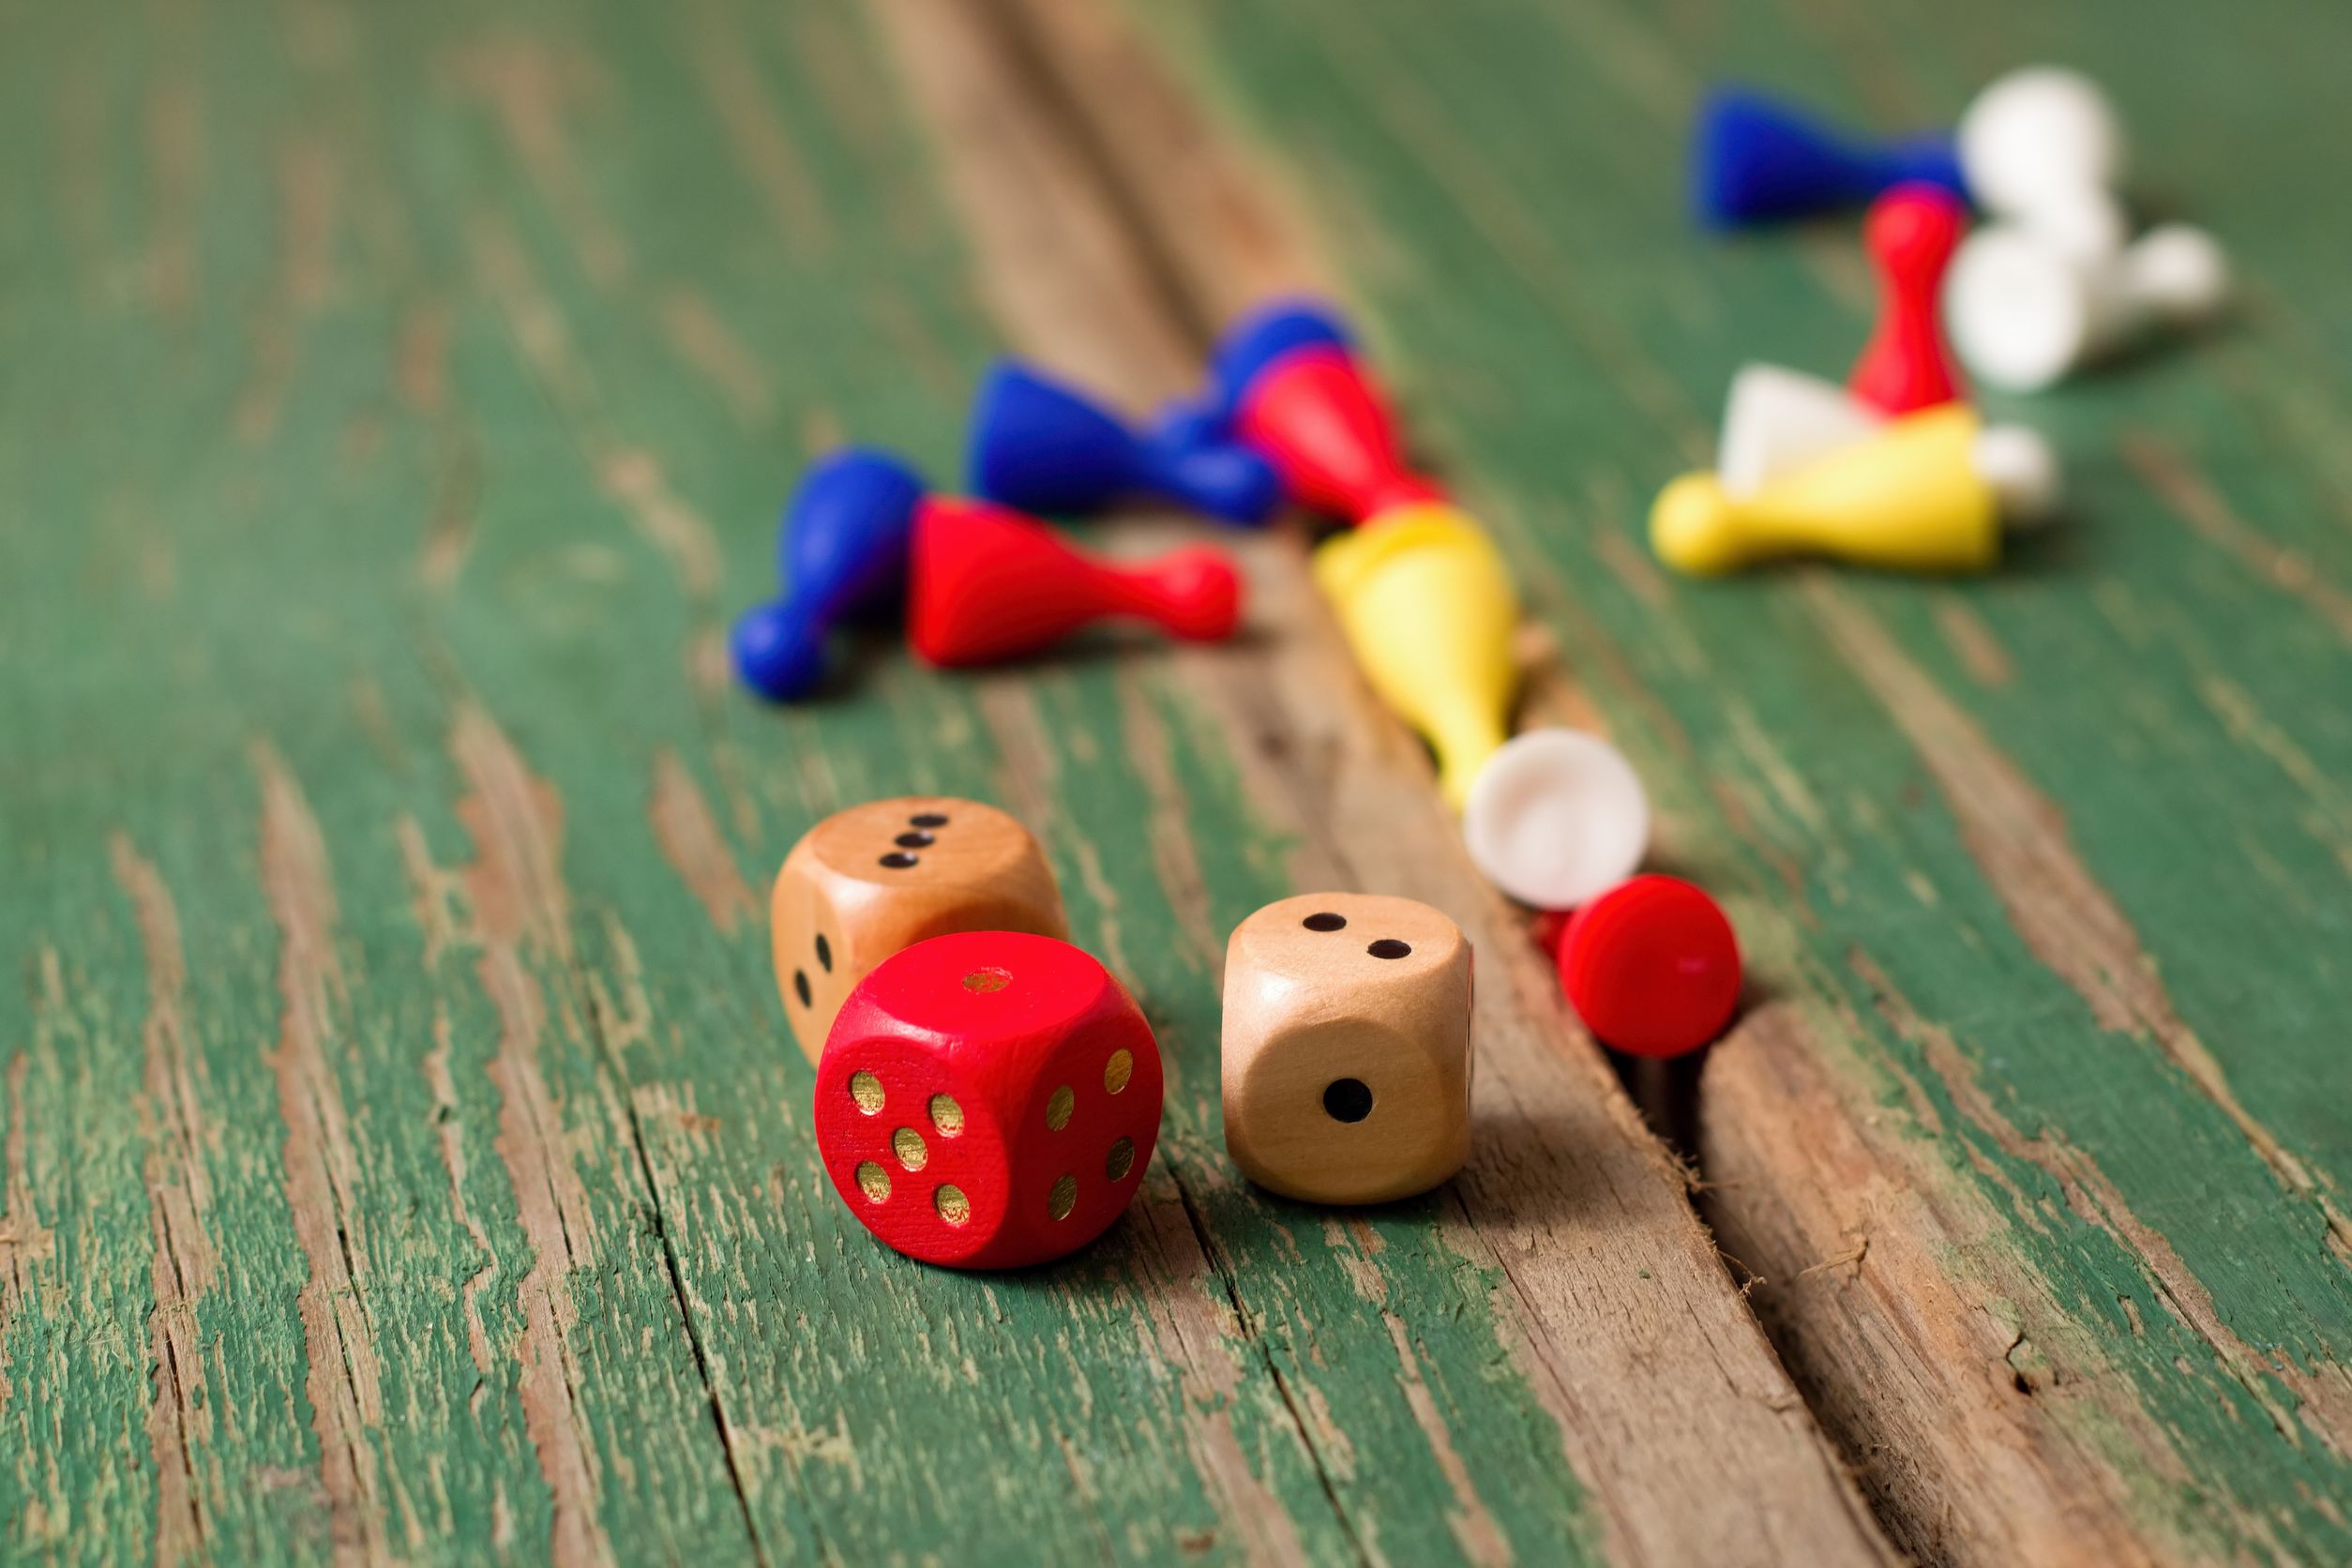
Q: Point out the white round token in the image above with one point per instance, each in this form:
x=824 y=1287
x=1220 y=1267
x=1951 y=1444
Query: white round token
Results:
x=2021 y=312
x=1557 y=817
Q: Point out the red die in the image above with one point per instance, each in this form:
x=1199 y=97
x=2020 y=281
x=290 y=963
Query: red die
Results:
x=988 y=1099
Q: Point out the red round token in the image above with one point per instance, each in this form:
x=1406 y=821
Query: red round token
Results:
x=1651 y=967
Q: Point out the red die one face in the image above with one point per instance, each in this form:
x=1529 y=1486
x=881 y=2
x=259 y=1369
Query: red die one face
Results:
x=988 y=1099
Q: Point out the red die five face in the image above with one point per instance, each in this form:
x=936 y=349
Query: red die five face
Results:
x=988 y=1100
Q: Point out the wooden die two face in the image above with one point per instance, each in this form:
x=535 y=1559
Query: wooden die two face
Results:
x=1348 y=1047
x=867 y=882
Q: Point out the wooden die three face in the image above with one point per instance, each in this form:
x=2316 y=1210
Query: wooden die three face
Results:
x=1346 y=1048
x=867 y=882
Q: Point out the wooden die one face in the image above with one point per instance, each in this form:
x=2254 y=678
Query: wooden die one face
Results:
x=1348 y=1047
x=876 y=877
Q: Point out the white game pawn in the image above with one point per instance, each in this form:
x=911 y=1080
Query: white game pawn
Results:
x=2024 y=313
x=1556 y=817
x=2044 y=147
x=2020 y=470
x=1778 y=421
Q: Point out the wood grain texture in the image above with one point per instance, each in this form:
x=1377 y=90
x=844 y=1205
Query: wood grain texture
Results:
x=2033 y=1145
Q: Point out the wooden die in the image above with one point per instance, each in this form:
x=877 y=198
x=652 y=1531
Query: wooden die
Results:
x=1348 y=1047
x=867 y=882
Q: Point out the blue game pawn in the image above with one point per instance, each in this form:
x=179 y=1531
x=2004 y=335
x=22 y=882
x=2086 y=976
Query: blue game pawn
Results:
x=842 y=552
x=1199 y=423
x=1189 y=424
x=1756 y=160
x=1038 y=445
x=1265 y=335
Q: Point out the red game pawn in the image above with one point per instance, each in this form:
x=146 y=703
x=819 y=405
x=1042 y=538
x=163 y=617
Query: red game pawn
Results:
x=988 y=1100
x=988 y=583
x=1319 y=418
x=1652 y=966
x=1910 y=232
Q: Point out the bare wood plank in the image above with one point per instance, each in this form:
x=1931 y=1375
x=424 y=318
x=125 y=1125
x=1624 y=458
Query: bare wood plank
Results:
x=1608 y=1291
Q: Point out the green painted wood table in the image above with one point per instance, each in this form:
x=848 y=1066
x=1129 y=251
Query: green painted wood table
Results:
x=403 y=1157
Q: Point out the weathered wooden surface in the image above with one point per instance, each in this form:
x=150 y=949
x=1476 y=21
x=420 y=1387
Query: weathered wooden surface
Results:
x=405 y=1155
x=1612 y=1307
x=400 y=1152
x=2038 y=1137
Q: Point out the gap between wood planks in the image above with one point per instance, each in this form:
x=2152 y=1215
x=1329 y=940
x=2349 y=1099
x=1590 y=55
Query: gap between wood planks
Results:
x=1904 y=1354
x=1612 y=1295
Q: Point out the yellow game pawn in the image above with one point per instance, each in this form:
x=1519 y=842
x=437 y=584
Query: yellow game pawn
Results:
x=1928 y=493
x=1428 y=608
